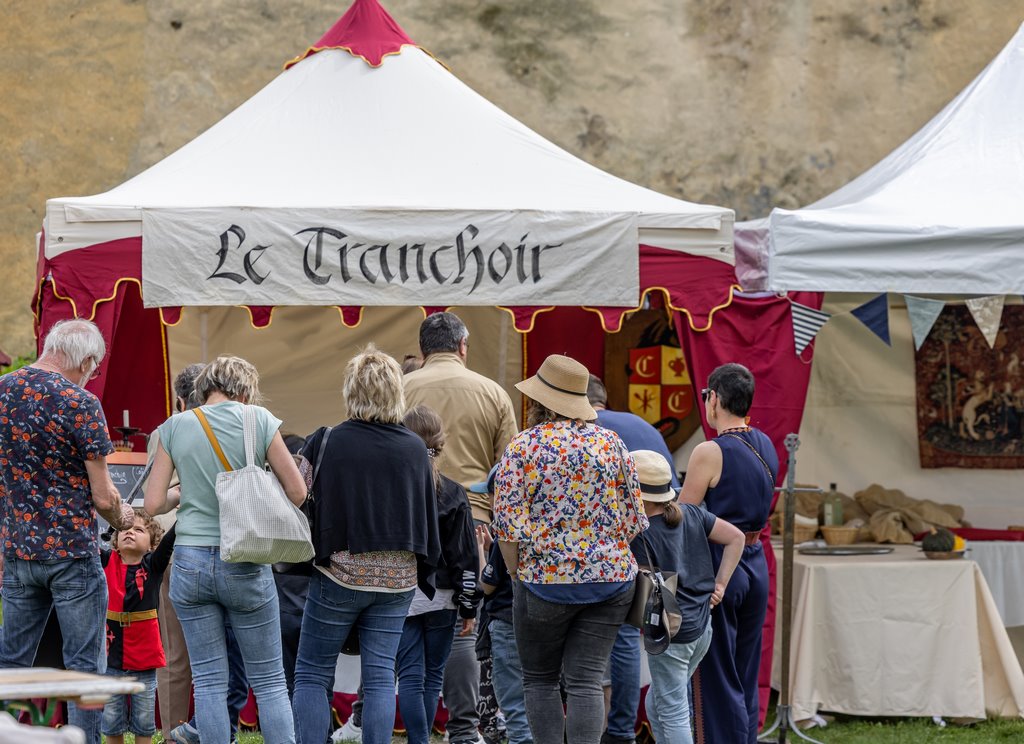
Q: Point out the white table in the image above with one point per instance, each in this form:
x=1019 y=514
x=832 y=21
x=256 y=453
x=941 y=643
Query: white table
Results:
x=84 y=689
x=897 y=635
x=1002 y=564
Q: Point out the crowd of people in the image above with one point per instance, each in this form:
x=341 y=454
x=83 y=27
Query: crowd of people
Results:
x=462 y=556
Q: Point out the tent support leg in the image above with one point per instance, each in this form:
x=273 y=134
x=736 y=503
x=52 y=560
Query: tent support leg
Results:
x=783 y=712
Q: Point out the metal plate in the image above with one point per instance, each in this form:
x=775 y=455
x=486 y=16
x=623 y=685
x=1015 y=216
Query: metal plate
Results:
x=847 y=550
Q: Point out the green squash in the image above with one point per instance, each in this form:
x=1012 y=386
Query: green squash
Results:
x=938 y=541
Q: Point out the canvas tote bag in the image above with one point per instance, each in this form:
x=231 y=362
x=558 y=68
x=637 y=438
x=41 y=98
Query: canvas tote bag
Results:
x=258 y=524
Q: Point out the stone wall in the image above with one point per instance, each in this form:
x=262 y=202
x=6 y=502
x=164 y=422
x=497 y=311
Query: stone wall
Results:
x=746 y=103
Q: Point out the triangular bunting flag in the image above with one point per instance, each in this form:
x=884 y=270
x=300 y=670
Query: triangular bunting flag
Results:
x=875 y=315
x=987 y=312
x=923 y=314
x=806 y=323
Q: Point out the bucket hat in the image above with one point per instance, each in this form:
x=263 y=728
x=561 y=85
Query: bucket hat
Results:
x=655 y=476
x=560 y=385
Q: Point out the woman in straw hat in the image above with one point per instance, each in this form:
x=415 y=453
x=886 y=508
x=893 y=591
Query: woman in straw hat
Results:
x=566 y=505
x=677 y=542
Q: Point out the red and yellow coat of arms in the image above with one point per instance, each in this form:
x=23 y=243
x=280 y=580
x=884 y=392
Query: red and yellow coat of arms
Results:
x=659 y=384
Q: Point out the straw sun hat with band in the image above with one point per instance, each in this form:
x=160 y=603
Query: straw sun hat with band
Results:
x=560 y=385
x=655 y=476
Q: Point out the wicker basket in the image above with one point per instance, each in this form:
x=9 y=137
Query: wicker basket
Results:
x=804 y=532
x=835 y=535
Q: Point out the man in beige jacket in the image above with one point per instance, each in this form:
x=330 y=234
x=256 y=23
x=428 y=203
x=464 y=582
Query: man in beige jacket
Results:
x=478 y=416
x=479 y=421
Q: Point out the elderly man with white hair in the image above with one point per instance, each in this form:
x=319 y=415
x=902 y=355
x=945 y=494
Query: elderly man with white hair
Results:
x=53 y=469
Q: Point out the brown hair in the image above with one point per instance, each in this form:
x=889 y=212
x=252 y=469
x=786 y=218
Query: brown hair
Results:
x=425 y=422
x=411 y=363
x=538 y=413
x=673 y=514
x=156 y=532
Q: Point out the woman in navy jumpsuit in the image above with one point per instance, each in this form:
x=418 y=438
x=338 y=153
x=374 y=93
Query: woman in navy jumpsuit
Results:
x=734 y=475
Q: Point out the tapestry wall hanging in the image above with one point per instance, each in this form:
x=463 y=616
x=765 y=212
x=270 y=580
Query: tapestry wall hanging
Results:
x=970 y=397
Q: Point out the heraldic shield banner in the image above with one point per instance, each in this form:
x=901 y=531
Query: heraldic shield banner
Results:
x=659 y=384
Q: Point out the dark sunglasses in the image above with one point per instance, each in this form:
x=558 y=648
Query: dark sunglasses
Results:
x=705 y=393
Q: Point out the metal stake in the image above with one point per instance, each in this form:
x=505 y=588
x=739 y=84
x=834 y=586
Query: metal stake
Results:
x=783 y=712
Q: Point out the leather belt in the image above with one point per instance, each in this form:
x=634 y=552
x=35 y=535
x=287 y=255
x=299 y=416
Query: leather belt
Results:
x=752 y=538
x=127 y=618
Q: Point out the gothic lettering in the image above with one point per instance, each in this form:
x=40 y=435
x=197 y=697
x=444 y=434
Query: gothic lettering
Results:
x=318 y=236
x=222 y=255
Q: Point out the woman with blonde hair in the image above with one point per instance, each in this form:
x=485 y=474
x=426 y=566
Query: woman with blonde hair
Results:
x=206 y=590
x=376 y=538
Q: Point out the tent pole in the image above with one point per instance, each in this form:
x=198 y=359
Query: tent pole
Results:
x=203 y=321
x=783 y=712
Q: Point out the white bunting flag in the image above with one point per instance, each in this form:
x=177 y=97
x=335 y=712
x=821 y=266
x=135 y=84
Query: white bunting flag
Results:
x=806 y=323
x=923 y=314
x=987 y=312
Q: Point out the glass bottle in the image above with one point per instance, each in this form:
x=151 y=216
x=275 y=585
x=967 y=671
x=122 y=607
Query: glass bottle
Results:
x=833 y=507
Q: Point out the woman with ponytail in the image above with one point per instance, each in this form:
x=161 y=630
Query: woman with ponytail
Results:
x=429 y=626
x=678 y=539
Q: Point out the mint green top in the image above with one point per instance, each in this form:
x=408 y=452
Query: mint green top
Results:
x=183 y=438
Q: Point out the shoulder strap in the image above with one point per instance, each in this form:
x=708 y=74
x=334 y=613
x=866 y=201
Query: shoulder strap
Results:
x=320 y=455
x=213 y=439
x=752 y=448
x=249 y=434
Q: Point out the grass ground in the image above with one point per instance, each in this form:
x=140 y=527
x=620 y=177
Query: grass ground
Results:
x=849 y=730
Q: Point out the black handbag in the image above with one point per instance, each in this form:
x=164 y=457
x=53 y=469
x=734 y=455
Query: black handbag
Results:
x=655 y=610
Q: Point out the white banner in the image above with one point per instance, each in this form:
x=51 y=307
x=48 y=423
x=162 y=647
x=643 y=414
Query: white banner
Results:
x=351 y=257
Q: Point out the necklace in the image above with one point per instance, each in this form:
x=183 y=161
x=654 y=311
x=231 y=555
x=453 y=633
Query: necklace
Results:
x=735 y=428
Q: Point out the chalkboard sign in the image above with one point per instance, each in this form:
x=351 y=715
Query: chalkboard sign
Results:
x=125 y=477
x=125 y=470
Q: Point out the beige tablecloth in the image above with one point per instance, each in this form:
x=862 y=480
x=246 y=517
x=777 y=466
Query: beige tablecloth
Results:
x=897 y=635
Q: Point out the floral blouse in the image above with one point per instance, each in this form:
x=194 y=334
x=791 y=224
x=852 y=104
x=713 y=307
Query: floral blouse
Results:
x=568 y=493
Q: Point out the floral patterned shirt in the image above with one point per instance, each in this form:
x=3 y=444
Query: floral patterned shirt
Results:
x=49 y=427
x=568 y=493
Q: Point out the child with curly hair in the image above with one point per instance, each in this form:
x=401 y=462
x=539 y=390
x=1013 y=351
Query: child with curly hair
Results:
x=134 y=569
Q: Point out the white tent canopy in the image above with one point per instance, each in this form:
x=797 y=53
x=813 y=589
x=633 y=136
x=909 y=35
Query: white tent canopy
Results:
x=944 y=213
x=400 y=154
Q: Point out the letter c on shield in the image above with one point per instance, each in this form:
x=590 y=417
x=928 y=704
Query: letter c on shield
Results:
x=643 y=365
x=676 y=402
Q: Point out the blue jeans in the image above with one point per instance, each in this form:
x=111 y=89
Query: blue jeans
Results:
x=140 y=719
x=422 y=654
x=238 y=683
x=77 y=590
x=625 y=675
x=205 y=592
x=668 y=701
x=508 y=681
x=331 y=612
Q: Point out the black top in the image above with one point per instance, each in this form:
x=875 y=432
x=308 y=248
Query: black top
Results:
x=499 y=602
x=375 y=491
x=459 y=555
x=683 y=550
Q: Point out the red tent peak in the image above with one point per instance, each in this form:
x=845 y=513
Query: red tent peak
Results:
x=366 y=30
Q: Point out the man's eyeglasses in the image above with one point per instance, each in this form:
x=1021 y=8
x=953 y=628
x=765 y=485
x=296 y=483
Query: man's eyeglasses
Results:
x=705 y=393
